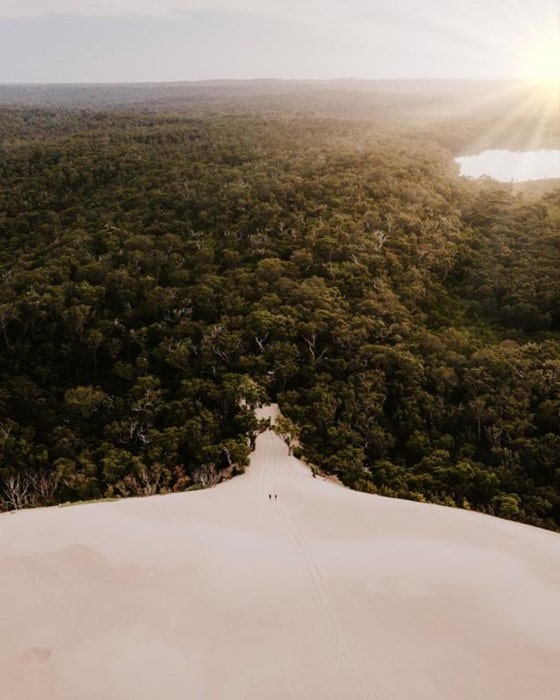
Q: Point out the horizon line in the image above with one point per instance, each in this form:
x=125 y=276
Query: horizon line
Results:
x=199 y=81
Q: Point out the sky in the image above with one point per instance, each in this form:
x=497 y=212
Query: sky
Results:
x=44 y=41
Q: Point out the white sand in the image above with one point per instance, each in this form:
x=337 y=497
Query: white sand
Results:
x=324 y=594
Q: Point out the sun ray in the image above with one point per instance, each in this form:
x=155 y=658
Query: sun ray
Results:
x=521 y=115
x=516 y=128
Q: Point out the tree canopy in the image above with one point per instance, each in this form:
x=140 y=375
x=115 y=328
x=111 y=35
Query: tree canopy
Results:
x=161 y=272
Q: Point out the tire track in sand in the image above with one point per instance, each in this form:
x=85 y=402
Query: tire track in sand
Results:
x=337 y=645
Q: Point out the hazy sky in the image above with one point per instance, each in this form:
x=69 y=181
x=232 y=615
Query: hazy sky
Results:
x=162 y=40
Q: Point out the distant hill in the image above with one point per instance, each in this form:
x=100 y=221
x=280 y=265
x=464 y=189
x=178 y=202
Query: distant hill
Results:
x=363 y=92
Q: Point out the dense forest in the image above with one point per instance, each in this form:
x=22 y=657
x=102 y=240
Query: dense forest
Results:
x=163 y=269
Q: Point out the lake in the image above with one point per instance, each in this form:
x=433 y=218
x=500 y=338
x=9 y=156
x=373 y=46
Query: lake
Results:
x=516 y=166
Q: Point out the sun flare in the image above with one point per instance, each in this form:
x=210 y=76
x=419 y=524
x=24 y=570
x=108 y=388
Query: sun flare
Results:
x=542 y=63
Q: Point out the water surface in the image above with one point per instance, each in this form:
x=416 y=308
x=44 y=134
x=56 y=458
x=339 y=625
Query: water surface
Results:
x=516 y=166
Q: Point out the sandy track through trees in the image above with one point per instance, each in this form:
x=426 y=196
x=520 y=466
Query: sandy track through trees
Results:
x=344 y=659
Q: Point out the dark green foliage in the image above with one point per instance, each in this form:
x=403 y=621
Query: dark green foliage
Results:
x=157 y=270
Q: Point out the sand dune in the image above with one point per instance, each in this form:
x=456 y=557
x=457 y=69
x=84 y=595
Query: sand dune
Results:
x=322 y=594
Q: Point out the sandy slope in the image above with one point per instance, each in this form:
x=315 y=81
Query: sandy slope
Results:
x=323 y=594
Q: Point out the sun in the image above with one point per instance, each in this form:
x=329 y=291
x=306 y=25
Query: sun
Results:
x=541 y=62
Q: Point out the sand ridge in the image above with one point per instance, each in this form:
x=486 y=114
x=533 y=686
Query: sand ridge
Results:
x=322 y=593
